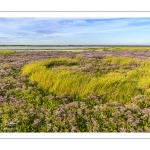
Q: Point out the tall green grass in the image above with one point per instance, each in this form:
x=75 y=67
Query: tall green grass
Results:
x=120 y=60
x=119 y=48
x=126 y=48
x=122 y=83
x=5 y=52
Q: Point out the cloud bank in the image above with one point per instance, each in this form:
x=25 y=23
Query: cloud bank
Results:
x=76 y=31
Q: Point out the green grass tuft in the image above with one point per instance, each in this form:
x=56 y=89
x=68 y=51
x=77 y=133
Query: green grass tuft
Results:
x=6 y=52
x=124 y=78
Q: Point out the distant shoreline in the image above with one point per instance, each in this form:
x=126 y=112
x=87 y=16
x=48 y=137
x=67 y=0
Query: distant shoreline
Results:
x=74 y=45
x=56 y=45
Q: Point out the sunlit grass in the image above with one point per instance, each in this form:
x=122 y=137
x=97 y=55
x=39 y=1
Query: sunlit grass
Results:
x=120 y=60
x=5 y=52
x=133 y=48
x=120 y=83
x=119 y=48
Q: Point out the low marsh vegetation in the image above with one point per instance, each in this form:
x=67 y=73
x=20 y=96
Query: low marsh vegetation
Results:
x=92 y=91
x=121 y=48
x=111 y=78
x=6 y=52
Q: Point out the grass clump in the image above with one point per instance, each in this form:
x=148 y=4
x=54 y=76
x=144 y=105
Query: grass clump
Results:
x=125 y=77
x=127 y=48
x=6 y=52
x=120 y=60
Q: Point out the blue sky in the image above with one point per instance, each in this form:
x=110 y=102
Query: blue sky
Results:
x=74 y=31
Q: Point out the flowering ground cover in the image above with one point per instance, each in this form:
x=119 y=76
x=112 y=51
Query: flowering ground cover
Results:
x=87 y=91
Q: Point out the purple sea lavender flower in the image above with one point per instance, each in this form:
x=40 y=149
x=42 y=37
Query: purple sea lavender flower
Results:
x=137 y=121
x=35 y=123
x=1 y=99
x=122 y=129
x=73 y=129
x=12 y=99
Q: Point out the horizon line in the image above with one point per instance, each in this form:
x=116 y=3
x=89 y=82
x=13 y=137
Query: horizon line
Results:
x=79 y=45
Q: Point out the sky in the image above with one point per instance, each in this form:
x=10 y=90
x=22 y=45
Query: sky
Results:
x=74 y=31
